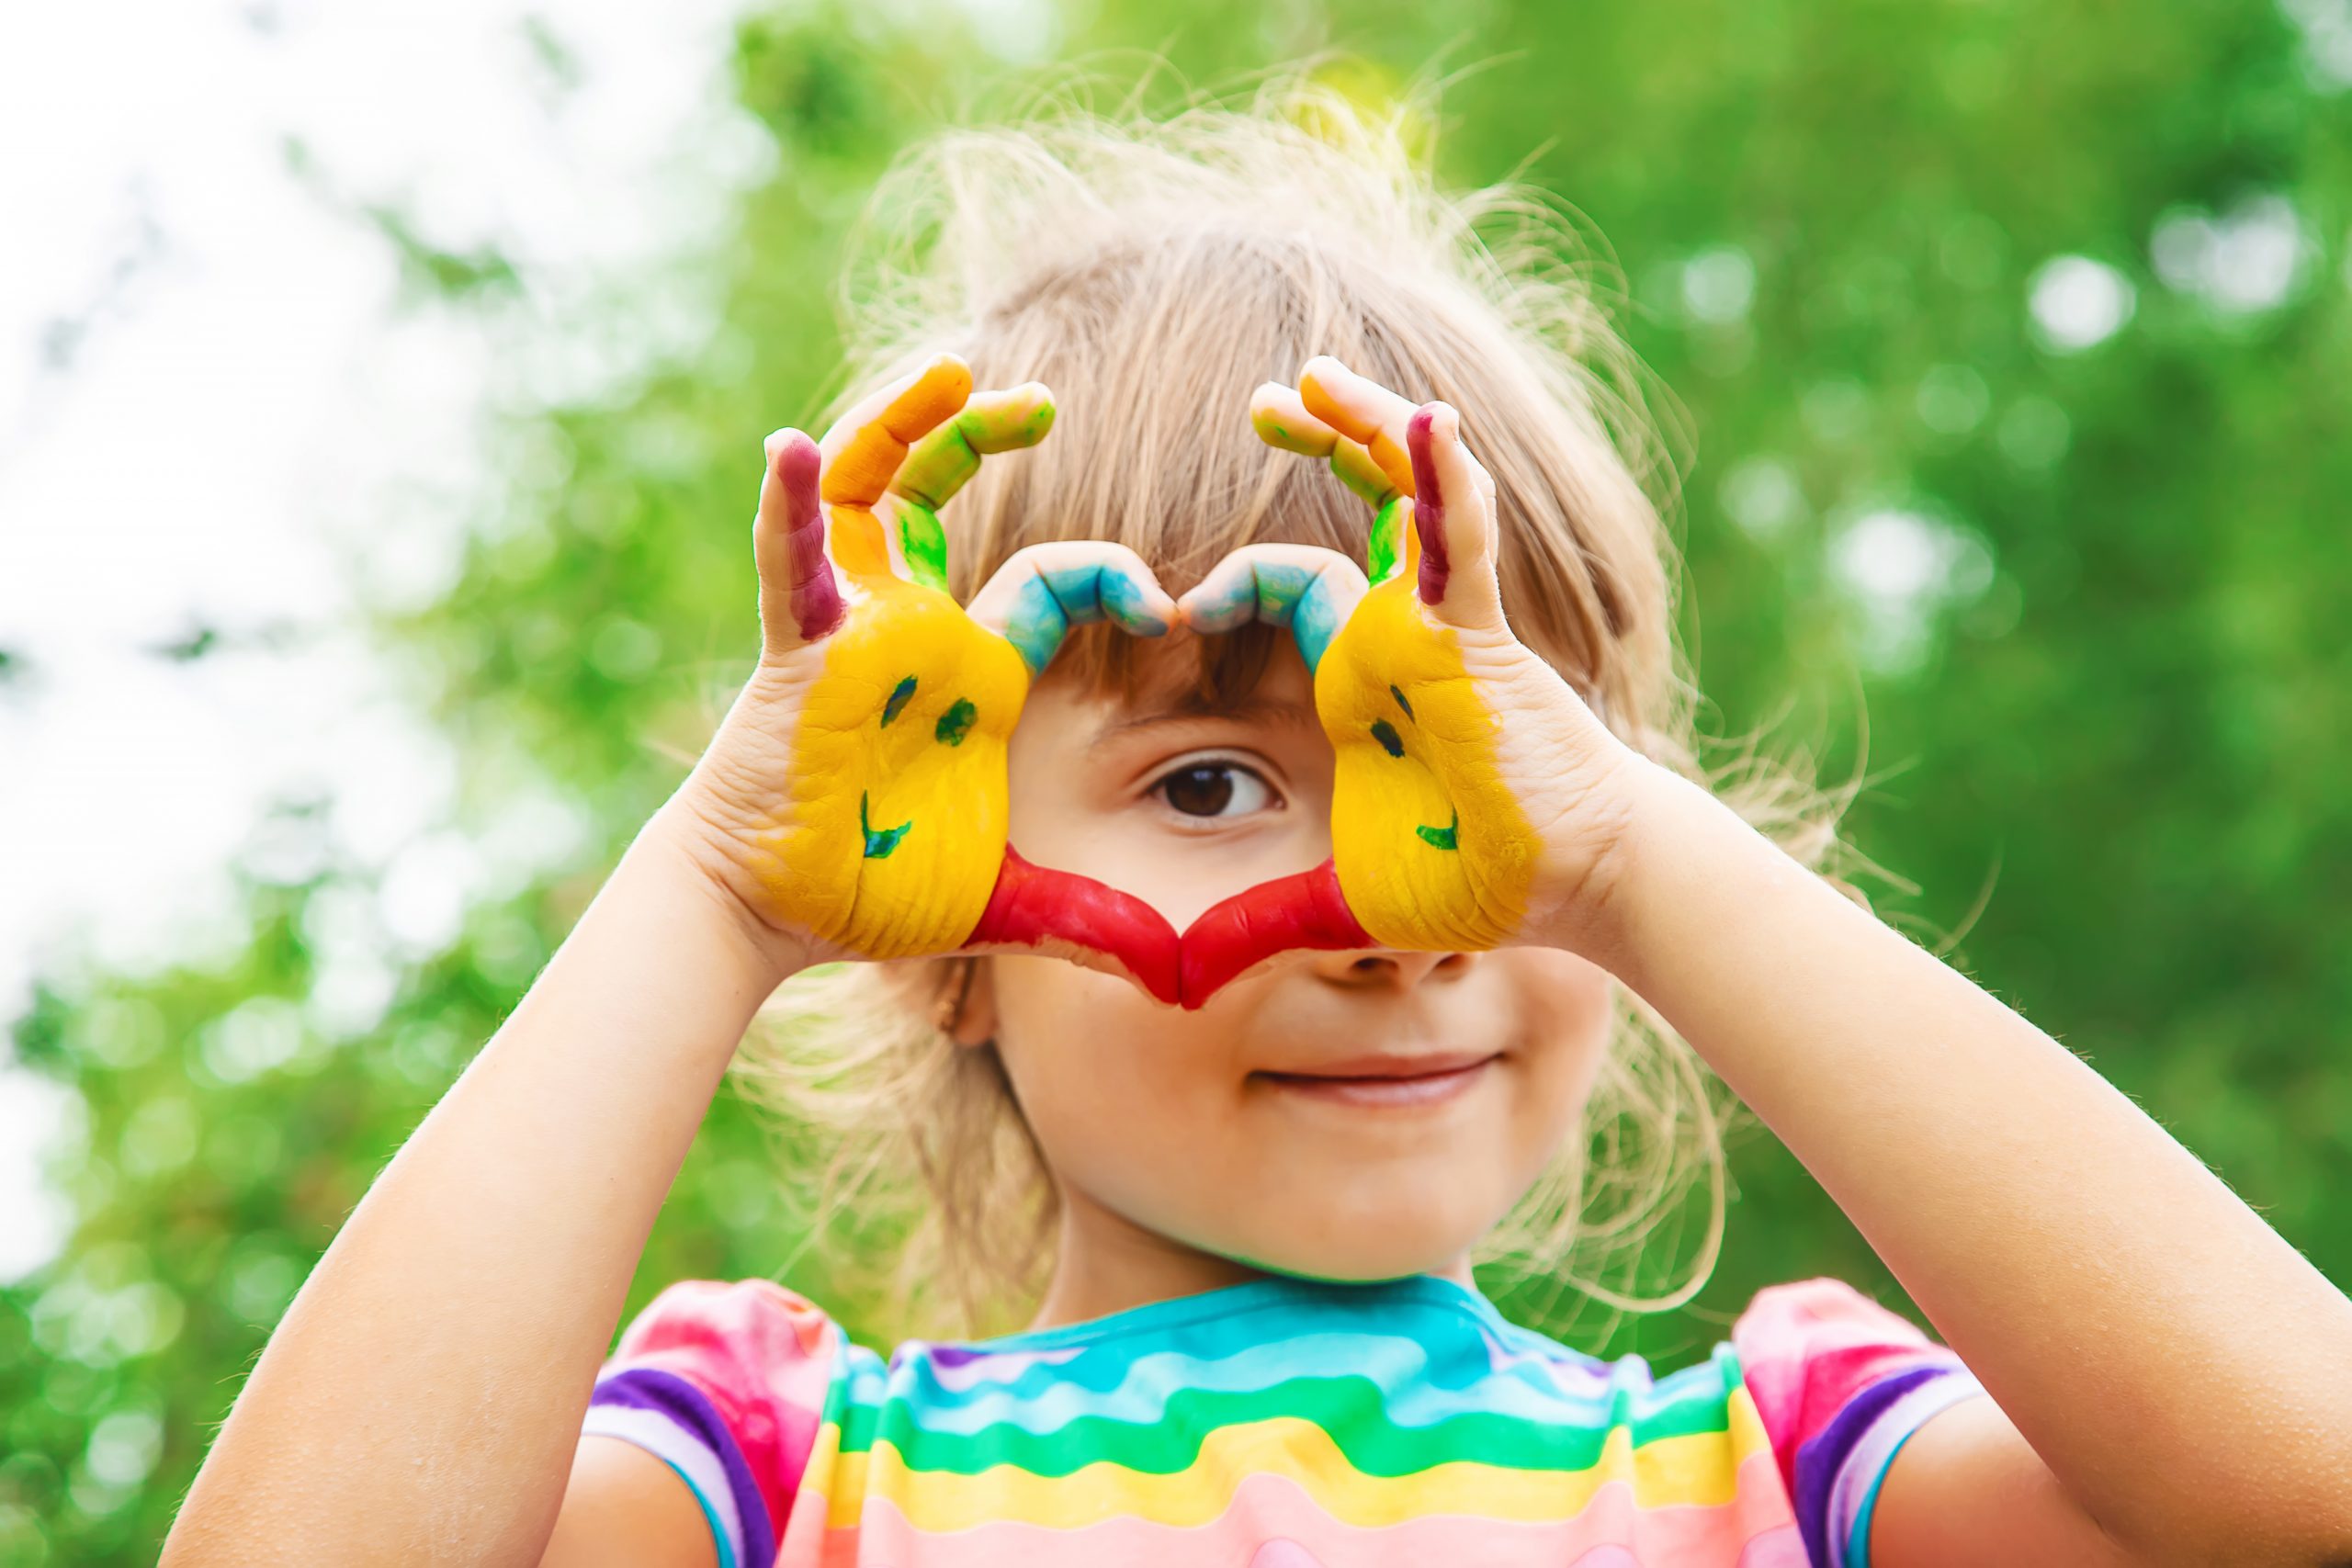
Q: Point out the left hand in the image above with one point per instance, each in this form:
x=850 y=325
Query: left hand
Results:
x=1478 y=802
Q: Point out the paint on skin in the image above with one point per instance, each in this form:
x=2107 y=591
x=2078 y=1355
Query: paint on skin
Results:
x=944 y=461
x=955 y=724
x=1065 y=914
x=1429 y=505
x=1280 y=593
x=888 y=892
x=812 y=596
x=923 y=544
x=1413 y=884
x=1307 y=910
x=879 y=844
x=1058 y=598
x=1387 y=531
x=897 y=703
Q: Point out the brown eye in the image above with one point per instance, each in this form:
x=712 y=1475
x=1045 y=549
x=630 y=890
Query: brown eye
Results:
x=1209 y=789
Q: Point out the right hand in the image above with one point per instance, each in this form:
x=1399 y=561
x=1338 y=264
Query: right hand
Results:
x=853 y=800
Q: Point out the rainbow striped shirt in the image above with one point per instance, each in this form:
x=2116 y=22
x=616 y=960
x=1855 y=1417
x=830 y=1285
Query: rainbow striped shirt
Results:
x=1276 y=1424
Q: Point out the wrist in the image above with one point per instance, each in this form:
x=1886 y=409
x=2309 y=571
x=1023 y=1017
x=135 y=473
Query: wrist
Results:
x=1655 y=816
x=684 y=838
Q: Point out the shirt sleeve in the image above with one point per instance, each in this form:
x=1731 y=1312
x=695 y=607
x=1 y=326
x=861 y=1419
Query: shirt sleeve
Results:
x=1839 y=1383
x=726 y=1383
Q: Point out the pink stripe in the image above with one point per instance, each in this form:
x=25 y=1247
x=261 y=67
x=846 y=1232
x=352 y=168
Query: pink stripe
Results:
x=1754 y=1529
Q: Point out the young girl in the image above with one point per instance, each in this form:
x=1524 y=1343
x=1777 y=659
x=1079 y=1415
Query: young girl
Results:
x=1361 y=875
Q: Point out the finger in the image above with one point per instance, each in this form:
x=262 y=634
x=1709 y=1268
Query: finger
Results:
x=800 y=599
x=943 y=462
x=1241 y=935
x=1311 y=591
x=1037 y=909
x=1362 y=411
x=1281 y=419
x=1042 y=592
x=864 y=447
x=1454 y=517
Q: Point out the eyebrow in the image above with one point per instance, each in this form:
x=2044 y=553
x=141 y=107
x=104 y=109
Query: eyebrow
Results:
x=1282 y=715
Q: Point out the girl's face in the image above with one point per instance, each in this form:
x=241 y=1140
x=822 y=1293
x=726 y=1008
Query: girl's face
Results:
x=1353 y=1115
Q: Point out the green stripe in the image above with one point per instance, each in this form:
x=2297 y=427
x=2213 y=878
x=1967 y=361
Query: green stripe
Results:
x=1348 y=1409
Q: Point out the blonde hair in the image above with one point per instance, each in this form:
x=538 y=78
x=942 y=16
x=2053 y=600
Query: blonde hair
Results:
x=1152 y=271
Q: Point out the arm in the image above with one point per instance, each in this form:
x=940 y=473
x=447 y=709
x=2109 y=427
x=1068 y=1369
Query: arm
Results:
x=422 y=1400
x=2182 y=1371
x=2179 y=1377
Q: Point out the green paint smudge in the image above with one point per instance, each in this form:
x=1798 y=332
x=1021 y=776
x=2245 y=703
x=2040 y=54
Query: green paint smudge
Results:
x=1385 y=733
x=1401 y=702
x=957 y=722
x=1387 y=537
x=880 y=845
x=924 y=544
x=1442 y=838
x=900 y=697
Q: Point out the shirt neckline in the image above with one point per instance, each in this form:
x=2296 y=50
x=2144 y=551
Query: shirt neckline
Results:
x=1227 y=1300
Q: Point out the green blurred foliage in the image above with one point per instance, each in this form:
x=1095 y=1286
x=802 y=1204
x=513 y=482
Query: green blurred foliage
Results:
x=2108 y=697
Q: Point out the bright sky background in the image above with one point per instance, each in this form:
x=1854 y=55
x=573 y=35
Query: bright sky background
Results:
x=212 y=413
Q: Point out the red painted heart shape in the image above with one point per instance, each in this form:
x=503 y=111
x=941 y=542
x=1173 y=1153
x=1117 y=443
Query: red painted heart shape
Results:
x=1070 y=916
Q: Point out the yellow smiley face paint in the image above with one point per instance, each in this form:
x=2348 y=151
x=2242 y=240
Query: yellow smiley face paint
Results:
x=894 y=825
x=1433 y=849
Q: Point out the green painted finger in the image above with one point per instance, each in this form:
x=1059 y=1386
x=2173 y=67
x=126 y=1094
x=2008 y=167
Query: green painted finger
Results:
x=944 y=461
x=922 y=544
x=1385 y=549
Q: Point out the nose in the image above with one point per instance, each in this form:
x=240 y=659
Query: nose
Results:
x=1369 y=967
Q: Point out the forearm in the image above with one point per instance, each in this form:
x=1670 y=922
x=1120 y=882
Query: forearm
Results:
x=2180 y=1368
x=422 y=1400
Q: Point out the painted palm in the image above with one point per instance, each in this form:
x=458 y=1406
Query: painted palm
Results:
x=875 y=807
x=1462 y=757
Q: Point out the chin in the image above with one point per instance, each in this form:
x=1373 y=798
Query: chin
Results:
x=1370 y=1237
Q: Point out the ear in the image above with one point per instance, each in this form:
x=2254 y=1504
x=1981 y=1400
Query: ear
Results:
x=975 y=1025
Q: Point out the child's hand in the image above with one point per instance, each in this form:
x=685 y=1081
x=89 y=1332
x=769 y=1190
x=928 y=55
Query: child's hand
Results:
x=854 y=801
x=1477 y=799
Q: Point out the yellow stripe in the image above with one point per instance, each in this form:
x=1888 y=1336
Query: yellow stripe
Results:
x=1701 y=1469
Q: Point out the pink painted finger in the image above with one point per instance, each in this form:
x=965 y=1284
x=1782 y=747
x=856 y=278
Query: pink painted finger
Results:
x=865 y=445
x=1453 y=516
x=800 y=600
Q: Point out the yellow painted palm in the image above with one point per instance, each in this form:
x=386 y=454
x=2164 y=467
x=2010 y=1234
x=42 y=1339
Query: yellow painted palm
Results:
x=1463 y=759
x=862 y=789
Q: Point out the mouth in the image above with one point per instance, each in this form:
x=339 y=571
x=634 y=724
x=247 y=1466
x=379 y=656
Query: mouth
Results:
x=1391 y=1081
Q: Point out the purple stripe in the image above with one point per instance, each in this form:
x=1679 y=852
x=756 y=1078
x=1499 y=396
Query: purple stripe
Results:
x=669 y=1396
x=1820 y=1457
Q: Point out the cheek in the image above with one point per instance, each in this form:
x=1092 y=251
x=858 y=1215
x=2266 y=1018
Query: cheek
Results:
x=1100 y=1068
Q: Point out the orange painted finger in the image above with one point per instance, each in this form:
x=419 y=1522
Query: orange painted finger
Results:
x=865 y=445
x=1364 y=410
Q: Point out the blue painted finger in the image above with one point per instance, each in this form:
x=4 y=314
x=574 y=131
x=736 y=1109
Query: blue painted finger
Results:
x=1311 y=591
x=1041 y=592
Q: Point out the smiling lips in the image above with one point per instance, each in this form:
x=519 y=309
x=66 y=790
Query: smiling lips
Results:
x=1061 y=912
x=1376 y=1081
